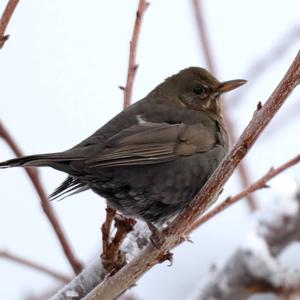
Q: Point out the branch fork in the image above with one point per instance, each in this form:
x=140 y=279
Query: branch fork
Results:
x=113 y=257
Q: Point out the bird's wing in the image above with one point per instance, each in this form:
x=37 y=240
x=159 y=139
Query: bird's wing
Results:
x=151 y=143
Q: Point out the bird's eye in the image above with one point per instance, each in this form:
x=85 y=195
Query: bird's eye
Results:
x=198 y=90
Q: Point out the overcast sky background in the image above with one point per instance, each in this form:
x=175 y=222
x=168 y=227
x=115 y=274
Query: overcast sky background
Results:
x=60 y=72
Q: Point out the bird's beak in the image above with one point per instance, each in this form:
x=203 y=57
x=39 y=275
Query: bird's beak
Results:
x=227 y=86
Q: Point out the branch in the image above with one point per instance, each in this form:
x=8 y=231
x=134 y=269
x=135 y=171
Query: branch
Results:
x=5 y=18
x=90 y=277
x=34 y=265
x=173 y=234
x=112 y=257
x=259 y=184
x=254 y=268
x=95 y=272
x=132 y=66
x=47 y=208
x=201 y=26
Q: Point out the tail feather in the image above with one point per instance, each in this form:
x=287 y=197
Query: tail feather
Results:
x=67 y=188
x=38 y=160
x=70 y=186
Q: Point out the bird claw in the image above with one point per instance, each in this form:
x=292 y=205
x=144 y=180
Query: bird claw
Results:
x=185 y=238
x=157 y=237
x=166 y=256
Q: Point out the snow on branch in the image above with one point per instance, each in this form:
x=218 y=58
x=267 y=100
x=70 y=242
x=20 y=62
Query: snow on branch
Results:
x=95 y=273
x=254 y=266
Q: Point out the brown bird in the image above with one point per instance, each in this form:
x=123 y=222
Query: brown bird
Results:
x=152 y=158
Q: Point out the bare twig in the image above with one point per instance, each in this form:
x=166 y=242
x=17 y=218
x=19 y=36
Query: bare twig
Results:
x=259 y=184
x=201 y=26
x=33 y=265
x=47 y=208
x=113 y=258
x=132 y=66
x=7 y=14
x=106 y=228
x=172 y=235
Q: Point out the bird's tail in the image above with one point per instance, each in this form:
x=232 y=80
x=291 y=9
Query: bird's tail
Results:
x=59 y=161
x=38 y=160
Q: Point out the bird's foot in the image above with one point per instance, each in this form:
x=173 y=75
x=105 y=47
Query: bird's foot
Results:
x=166 y=256
x=157 y=237
x=185 y=238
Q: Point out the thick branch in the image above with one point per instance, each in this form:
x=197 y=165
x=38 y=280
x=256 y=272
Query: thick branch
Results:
x=33 y=265
x=206 y=46
x=132 y=66
x=259 y=184
x=128 y=275
x=7 y=14
x=47 y=208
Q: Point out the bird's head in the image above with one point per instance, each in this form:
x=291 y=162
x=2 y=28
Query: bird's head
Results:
x=195 y=88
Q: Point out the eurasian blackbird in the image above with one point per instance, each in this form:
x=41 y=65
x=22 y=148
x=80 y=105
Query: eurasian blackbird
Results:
x=151 y=159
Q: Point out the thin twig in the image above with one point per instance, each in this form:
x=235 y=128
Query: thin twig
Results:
x=106 y=228
x=112 y=257
x=124 y=226
x=33 y=265
x=47 y=208
x=7 y=14
x=132 y=66
x=107 y=255
x=113 y=286
x=207 y=49
x=259 y=184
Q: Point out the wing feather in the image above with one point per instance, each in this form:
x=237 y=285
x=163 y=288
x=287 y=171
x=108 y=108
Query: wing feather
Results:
x=152 y=143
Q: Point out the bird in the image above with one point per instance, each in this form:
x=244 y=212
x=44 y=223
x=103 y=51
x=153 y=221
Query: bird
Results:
x=151 y=159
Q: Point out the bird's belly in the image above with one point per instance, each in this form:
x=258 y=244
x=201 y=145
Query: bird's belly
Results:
x=156 y=192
